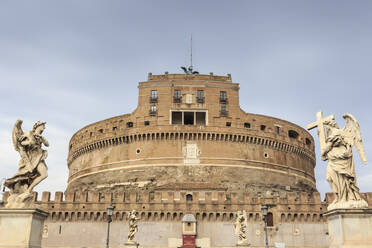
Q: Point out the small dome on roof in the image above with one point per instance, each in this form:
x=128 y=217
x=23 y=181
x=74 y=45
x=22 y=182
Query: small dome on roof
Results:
x=188 y=218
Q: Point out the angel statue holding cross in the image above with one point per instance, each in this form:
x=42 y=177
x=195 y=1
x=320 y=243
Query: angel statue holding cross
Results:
x=336 y=146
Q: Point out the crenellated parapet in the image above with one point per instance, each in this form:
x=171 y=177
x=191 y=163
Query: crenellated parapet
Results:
x=171 y=206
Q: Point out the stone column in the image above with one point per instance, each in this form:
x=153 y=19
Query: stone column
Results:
x=21 y=228
x=350 y=228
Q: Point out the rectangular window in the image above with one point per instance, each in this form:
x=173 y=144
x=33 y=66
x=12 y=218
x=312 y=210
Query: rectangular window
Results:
x=200 y=118
x=277 y=129
x=177 y=118
x=247 y=125
x=147 y=123
x=154 y=96
x=200 y=96
x=177 y=96
x=188 y=118
x=223 y=110
x=153 y=110
x=223 y=97
x=228 y=124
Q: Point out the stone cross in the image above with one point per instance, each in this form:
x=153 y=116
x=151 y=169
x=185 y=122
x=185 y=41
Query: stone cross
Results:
x=319 y=123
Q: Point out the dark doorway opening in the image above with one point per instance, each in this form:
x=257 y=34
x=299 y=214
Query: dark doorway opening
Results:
x=188 y=118
x=177 y=118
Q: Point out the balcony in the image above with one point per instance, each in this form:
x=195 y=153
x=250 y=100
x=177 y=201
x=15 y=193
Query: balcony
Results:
x=224 y=113
x=152 y=112
x=200 y=99
x=177 y=99
x=153 y=99
x=223 y=100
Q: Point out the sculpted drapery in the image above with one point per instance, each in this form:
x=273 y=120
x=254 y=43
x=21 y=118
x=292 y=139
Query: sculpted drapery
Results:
x=133 y=226
x=32 y=168
x=240 y=227
x=336 y=146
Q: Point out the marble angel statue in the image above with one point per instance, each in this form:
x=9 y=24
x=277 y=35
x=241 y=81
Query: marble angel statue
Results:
x=240 y=226
x=336 y=146
x=133 y=226
x=31 y=168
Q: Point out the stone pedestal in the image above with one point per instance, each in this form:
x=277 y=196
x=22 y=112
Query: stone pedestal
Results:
x=350 y=228
x=245 y=245
x=21 y=228
x=131 y=245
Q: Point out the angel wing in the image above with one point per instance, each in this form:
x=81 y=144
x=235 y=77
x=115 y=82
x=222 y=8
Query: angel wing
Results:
x=184 y=69
x=17 y=132
x=353 y=135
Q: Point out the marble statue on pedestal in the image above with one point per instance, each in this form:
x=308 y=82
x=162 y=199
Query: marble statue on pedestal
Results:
x=31 y=169
x=336 y=146
x=240 y=228
x=133 y=226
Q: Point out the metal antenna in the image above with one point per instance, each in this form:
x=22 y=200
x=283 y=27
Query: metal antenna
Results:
x=191 y=52
x=190 y=69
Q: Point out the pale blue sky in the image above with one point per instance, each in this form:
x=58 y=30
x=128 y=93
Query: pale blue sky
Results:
x=72 y=63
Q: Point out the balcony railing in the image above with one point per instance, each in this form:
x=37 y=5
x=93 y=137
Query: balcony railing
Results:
x=200 y=99
x=224 y=113
x=153 y=99
x=223 y=100
x=177 y=99
x=152 y=112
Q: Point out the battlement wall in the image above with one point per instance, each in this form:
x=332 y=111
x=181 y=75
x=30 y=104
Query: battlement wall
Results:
x=170 y=205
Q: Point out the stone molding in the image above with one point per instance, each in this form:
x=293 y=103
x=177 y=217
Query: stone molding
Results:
x=227 y=137
x=348 y=211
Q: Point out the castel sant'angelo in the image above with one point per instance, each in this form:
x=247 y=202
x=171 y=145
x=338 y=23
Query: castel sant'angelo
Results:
x=189 y=150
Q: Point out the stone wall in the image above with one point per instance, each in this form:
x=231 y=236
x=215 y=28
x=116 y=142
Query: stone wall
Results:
x=79 y=219
x=169 y=234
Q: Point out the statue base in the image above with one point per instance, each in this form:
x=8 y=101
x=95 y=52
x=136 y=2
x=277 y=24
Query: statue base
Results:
x=21 y=228
x=242 y=245
x=348 y=204
x=350 y=228
x=131 y=244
